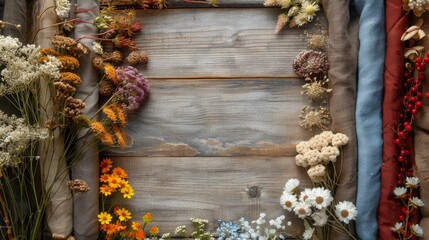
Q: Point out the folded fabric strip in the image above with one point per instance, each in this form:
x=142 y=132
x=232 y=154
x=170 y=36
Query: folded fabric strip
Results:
x=396 y=24
x=368 y=114
x=85 y=206
x=342 y=55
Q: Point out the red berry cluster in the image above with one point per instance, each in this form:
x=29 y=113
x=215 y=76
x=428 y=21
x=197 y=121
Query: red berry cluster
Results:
x=412 y=103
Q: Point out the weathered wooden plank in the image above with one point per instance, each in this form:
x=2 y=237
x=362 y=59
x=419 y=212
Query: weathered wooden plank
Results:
x=193 y=3
x=218 y=117
x=176 y=189
x=218 y=43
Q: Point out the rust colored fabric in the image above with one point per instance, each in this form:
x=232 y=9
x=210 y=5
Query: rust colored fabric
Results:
x=342 y=55
x=396 y=24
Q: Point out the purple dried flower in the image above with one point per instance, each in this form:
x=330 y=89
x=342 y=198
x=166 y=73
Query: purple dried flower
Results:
x=310 y=63
x=133 y=88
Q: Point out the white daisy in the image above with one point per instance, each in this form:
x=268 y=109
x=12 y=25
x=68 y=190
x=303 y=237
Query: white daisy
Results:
x=306 y=196
x=417 y=202
x=412 y=182
x=288 y=201
x=291 y=185
x=400 y=191
x=345 y=211
x=417 y=230
x=308 y=233
x=310 y=9
x=320 y=218
x=302 y=210
x=397 y=227
x=321 y=197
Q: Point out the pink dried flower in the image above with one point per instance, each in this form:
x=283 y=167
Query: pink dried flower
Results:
x=133 y=88
x=310 y=63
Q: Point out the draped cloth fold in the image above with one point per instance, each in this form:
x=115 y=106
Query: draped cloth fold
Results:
x=369 y=114
x=342 y=55
x=85 y=209
x=396 y=24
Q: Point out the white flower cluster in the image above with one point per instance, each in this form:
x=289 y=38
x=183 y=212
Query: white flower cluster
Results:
x=15 y=135
x=260 y=231
x=318 y=152
x=312 y=204
x=21 y=67
x=62 y=8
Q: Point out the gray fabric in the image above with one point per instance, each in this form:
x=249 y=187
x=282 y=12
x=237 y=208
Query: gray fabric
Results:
x=52 y=151
x=16 y=12
x=85 y=209
x=342 y=56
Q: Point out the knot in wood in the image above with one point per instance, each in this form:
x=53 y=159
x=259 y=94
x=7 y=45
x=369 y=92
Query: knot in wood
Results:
x=254 y=191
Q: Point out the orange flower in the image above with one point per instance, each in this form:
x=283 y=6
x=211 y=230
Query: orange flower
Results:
x=110 y=113
x=70 y=78
x=110 y=72
x=140 y=235
x=123 y=214
x=120 y=112
x=120 y=227
x=135 y=226
x=154 y=230
x=120 y=136
x=147 y=218
x=97 y=127
x=48 y=51
x=118 y=171
x=106 y=190
x=104 y=218
x=104 y=178
x=107 y=139
x=127 y=191
x=114 y=181
x=106 y=165
x=68 y=62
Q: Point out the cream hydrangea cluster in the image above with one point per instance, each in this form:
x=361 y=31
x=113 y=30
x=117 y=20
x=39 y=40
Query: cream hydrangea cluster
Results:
x=15 y=134
x=319 y=151
x=21 y=67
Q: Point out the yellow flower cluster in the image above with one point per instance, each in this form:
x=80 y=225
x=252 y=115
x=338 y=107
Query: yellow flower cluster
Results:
x=110 y=130
x=117 y=224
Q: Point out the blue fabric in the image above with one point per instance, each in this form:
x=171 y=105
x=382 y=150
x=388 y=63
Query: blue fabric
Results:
x=369 y=113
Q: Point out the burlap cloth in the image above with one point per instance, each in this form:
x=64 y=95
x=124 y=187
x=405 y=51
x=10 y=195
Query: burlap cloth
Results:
x=342 y=55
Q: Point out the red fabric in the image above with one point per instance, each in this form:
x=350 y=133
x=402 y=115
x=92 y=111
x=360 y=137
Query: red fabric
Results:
x=389 y=210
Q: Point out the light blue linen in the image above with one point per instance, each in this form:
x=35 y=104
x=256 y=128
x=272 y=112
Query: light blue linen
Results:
x=369 y=113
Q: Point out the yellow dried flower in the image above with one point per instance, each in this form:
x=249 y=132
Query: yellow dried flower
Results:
x=315 y=89
x=48 y=51
x=68 y=62
x=110 y=72
x=98 y=127
x=110 y=113
x=120 y=113
x=120 y=137
x=107 y=139
x=70 y=78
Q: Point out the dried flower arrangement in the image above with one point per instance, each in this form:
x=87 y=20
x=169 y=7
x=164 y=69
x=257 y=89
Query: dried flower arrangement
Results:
x=297 y=12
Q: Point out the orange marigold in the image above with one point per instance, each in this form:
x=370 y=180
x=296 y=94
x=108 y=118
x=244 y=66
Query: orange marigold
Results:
x=70 y=78
x=110 y=72
x=106 y=190
x=97 y=127
x=140 y=235
x=154 y=231
x=118 y=171
x=147 y=218
x=135 y=226
x=114 y=181
x=104 y=178
x=106 y=164
x=110 y=113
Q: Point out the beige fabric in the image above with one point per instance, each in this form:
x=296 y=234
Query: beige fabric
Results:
x=342 y=56
x=421 y=144
x=54 y=168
